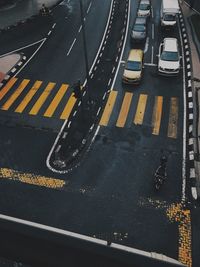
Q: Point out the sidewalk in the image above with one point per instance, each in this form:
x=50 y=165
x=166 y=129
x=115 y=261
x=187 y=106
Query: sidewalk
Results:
x=195 y=58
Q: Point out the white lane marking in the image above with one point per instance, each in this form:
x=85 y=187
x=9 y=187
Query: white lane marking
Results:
x=44 y=40
x=152 y=31
x=109 y=81
x=71 y=47
x=150 y=64
x=184 y=121
x=53 y=25
x=146 y=45
x=64 y=124
x=152 y=54
x=49 y=33
x=89 y=7
x=80 y=29
x=23 y=47
x=152 y=14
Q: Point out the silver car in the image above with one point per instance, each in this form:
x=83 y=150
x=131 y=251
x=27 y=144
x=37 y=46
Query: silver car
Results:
x=144 y=8
x=138 y=33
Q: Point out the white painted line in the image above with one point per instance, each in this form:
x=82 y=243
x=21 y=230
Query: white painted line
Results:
x=187 y=53
x=65 y=134
x=89 y=7
x=186 y=46
x=84 y=93
x=188 y=66
x=20 y=63
x=79 y=103
x=192 y=173
x=74 y=113
x=6 y=77
x=100 y=54
x=189 y=74
x=80 y=28
x=113 y=69
x=92 y=75
x=189 y=94
x=189 y=83
x=122 y=61
x=71 y=47
x=49 y=32
x=190 y=104
x=191 y=116
x=191 y=141
x=44 y=40
x=21 y=48
x=98 y=61
x=109 y=82
x=190 y=128
x=146 y=45
x=194 y=192
x=104 y=95
x=69 y=124
x=151 y=64
x=13 y=70
x=184 y=124
x=53 y=25
x=116 y=58
x=98 y=111
x=152 y=31
x=184 y=35
x=97 y=130
x=152 y=53
x=183 y=29
x=187 y=59
x=65 y=122
x=152 y=14
x=185 y=41
x=92 y=127
x=24 y=57
x=191 y=156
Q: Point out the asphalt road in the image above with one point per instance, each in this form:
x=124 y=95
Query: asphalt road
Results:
x=110 y=194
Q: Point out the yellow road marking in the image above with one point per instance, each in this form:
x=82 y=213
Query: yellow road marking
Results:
x=177 y=213
x=7 y=87
x=68 y=108
x=30 y=178
x=173 y=118
x=15 y=95
x=28 y=97
x=139 y=116
x=52 y=107
x=157 y=113
x=124 y=110
x=108 y=108
x=35 y=109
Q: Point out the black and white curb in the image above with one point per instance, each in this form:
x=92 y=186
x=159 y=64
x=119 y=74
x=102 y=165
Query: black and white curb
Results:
x=14 y=69
x=190 y=166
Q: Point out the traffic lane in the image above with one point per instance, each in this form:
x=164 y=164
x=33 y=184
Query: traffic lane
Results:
x=117 y=203
x=64 y=49
x=25 y=34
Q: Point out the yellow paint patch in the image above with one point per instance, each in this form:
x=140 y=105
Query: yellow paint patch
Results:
x=108 y=108
x=157 y=112
x=7 y=87
x=68 y=107
x=124 y=110
x=139 y=116
x=30 y=178
x=177 y=213
x=173 y=118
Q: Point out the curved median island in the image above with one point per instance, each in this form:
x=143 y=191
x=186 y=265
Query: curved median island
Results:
x=78 y=132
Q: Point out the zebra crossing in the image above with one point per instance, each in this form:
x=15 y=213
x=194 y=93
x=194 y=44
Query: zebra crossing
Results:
x=141 y=108
x=51 y=100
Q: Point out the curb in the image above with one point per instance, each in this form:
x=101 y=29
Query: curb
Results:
x=190 y=166
x=14 y=69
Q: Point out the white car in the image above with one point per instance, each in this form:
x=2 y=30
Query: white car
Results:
x=144 y=8
x=169 y=58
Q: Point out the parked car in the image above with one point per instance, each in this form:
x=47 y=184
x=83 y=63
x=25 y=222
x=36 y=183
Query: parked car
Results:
x=133 y=68
x=144 y=8
x=169 y=58
x=138 y=33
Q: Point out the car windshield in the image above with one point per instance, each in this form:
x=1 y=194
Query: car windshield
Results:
x=169 y=17
x=144 y=7
x=139 y=28
x=133 y=65
x=169 y=56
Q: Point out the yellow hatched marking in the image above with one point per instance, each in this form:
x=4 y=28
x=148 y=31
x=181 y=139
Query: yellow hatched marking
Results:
x=52 y=107
x=108 y=108
x=173 y=118
x=15 y=95
x=139 y=116
x=157 y=113
x=124 y=110
x=30 y=178
x=28 y=97
x=35 y=109
x=7 y=87
x=68 y=108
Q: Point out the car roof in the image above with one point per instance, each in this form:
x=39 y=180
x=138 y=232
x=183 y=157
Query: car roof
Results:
x=171 y=44
x=135 y=55
x=145 y=2
x=140 y=20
